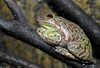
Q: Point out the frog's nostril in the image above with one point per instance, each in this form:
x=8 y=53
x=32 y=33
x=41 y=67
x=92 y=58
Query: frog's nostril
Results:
x=39 y=18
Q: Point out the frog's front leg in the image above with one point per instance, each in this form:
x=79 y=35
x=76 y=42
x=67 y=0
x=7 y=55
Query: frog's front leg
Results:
x=64 y=52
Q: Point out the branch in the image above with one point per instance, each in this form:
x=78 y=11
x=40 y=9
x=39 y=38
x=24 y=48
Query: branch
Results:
x=69 y=10
x=15 y=29
x=16 y=11
x=16 y=61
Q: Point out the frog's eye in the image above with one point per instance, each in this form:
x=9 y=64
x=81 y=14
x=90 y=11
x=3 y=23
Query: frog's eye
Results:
x=50 y=16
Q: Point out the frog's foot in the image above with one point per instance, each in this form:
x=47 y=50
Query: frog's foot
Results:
x=64 y=52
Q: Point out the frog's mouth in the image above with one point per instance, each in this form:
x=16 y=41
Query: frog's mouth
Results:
x=46 y=25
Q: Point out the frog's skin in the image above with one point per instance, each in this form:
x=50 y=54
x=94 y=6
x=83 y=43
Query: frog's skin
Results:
x=69 y=38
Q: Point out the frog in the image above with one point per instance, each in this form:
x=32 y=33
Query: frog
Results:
x=68 y=38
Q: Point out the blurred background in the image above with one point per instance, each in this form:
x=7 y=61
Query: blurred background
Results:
x=32 y=9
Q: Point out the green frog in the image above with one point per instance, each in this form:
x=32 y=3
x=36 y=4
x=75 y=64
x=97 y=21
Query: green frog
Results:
x=69 y=39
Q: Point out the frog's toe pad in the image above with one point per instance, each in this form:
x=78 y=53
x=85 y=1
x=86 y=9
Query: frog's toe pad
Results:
x=64 y=52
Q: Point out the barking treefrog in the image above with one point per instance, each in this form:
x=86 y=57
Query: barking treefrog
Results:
x=69 y=39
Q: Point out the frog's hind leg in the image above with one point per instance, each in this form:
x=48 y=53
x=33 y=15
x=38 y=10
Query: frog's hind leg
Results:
x=64 y=52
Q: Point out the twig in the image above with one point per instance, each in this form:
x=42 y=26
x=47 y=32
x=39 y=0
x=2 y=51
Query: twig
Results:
x=16 y=11
x=16 y=61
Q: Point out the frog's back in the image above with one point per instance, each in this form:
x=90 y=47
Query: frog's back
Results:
x=78 y=44
x=73 y=29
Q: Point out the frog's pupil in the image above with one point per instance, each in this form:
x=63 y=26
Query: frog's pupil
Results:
x=49 y=16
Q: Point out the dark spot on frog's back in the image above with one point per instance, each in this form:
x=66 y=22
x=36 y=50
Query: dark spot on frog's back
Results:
x=77 y=37
x=72 y=30
x=45 y=38
x=90 y=57
x=82 y=52
x=83 y=57
x=64 y=20
x=73 y=39
x=72 y=35
x=79 y=47
x=83 y=39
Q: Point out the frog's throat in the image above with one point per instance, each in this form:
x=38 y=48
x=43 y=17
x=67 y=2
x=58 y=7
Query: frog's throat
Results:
x=50 y=37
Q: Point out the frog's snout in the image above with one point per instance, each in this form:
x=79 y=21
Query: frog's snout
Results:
x=39 y=18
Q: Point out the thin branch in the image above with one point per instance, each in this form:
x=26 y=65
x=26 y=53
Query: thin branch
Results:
x=16 y=61
x=28 y=35
x=16 y=11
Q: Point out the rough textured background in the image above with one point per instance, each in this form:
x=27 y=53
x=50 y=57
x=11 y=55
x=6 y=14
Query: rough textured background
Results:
x=32 y=9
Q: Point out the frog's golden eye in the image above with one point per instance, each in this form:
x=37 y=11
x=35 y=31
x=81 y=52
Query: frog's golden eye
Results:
x=50 y=16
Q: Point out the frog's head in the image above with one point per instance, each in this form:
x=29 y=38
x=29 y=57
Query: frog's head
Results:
x=49 y=29
x=48 y=21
